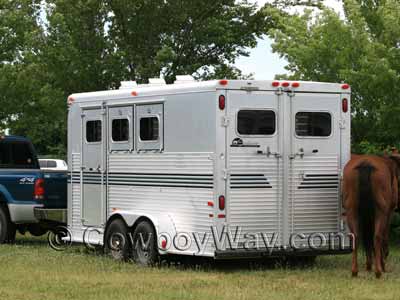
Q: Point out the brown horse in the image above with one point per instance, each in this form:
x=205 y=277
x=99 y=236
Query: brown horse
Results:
x=370 y=196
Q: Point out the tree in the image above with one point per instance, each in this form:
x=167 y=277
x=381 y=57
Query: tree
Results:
x=182 y=37
x=59 y=47
x=362 y=49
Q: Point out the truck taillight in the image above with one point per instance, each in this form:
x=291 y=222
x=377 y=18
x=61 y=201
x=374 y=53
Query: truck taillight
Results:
x=39 y=189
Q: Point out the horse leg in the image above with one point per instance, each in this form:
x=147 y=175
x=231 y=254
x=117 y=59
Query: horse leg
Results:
x=369 y=261
x=378 y=244
x=352 y=223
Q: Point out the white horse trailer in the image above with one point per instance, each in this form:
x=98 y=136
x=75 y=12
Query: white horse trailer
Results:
x=223 y=169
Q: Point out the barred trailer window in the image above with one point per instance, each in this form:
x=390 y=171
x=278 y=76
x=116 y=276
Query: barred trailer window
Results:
x=256 y=122
x=93 y=131
x=313 y=124
x=120 y=130
x=149 y=129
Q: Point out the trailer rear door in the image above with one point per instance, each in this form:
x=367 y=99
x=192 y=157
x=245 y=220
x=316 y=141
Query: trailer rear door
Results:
x=254 y=162
x=314 y=163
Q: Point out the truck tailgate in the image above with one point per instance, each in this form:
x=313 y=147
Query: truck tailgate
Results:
x=56 y=189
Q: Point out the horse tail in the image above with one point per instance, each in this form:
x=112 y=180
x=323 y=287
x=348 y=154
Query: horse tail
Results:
x=366 y=207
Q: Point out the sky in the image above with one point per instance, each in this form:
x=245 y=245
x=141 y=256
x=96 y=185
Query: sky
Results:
x=262 y=62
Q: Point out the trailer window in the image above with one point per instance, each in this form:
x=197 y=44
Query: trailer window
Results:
x=120 y=130
x=256 y=122
x=149 y=129
x=317 y=124
x=93 y=131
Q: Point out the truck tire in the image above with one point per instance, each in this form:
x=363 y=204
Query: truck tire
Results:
x=144 y=248
x=7 y=228
x=116 y=242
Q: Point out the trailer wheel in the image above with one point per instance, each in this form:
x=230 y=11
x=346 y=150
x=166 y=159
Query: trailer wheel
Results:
x=7 y=228
x=145 y=252
x=117 y=243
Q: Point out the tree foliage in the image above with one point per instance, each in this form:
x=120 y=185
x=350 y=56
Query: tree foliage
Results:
x=363 y=49
x=50 y=49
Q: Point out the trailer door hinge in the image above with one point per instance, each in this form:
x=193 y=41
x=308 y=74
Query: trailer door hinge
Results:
x=225 y=121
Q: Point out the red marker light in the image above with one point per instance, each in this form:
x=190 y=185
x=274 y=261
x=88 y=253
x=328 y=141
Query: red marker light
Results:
x=295 y=84
x=223 y=82
x=134 y=93
x=345 y=86
x=285 y=84
x=275 y=83
x=221 y=202
x=345 y=105
x=221 y=102
x=163 y=244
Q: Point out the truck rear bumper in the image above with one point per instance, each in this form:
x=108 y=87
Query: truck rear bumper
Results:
x=58 y=215
x=278 y=252
x=23 y=213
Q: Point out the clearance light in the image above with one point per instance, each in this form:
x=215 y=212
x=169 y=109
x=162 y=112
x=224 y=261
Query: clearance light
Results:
x=275 y=83
x=285 y=84
x=134 y=93
x=223 y=82
x=295 y=84
x=345 y=86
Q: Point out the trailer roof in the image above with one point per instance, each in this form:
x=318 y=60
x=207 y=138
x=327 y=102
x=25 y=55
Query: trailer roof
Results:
x=213 y=85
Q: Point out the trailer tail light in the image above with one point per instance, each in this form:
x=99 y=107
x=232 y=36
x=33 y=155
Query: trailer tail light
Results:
x=221 y=202
x=221 y=102
x=345 y=86
x=39 y=191
x=345 y=105
x=275 y=83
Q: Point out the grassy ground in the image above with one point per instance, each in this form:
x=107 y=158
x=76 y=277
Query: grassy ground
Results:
x=32 y=270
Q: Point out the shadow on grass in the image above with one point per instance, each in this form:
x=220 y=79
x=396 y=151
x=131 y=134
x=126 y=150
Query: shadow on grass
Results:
x=205 y=264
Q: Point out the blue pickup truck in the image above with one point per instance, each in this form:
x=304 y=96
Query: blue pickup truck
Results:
x=31 y=199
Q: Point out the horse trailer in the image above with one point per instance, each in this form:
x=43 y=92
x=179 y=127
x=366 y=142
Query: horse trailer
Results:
x=222 y=169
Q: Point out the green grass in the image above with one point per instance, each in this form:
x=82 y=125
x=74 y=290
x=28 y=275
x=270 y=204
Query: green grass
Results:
x=32 y=270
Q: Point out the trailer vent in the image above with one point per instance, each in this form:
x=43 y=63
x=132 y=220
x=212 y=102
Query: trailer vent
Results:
x=184 y=79
x=125 y=85
x=156 y=82
x=320 y=181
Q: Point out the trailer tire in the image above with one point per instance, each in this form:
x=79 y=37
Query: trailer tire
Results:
x=145 y=256
x=116 y=242
x=7 y=228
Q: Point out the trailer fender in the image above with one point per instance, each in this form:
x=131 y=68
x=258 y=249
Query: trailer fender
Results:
x=163 y=224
